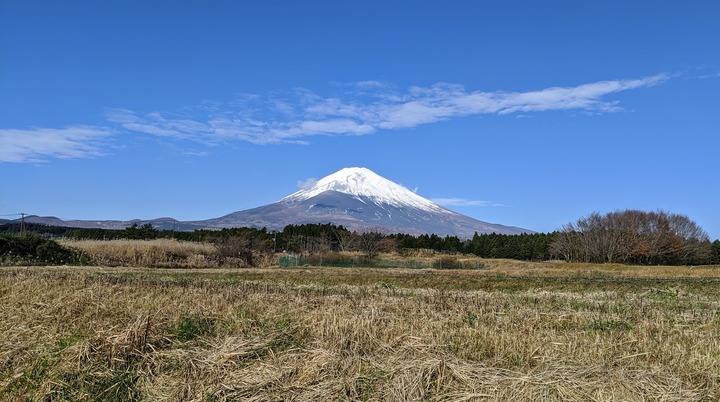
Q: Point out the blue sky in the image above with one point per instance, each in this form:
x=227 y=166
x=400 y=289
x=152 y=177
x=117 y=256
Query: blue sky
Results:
x=512 y=112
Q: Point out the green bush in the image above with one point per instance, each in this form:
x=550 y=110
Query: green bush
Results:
x=31 y=248
x=52 y=253
x=20 y=245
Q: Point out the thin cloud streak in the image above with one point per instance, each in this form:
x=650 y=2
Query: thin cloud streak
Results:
x=36 y=145
x=463 y=202
x=306 y=114
x=368 y=107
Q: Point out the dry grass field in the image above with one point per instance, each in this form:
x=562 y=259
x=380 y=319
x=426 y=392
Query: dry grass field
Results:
x=512 y=331
x=145 y=253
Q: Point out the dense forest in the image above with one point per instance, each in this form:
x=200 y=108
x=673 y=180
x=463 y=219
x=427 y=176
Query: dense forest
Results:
x=586 y=240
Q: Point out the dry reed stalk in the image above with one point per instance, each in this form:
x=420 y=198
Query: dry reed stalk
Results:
x=146 y=253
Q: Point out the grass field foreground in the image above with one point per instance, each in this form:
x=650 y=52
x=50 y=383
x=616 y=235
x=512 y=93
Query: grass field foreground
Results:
x=557 y=332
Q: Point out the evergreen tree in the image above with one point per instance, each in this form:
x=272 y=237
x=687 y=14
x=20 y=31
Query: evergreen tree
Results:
x=715 y=253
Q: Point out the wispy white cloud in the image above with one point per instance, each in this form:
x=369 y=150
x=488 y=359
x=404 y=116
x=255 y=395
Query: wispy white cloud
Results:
x=307 y=184
x=305 y=114
x=37 y=145
x=463 y=202
x=336 y=126
x=157 y=124
x=370 y=84
x=367 y=107
x=197 y=154
x=706 y=76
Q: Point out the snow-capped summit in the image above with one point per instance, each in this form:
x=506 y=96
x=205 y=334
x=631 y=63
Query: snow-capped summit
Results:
x=362 y=183
x=359 y=199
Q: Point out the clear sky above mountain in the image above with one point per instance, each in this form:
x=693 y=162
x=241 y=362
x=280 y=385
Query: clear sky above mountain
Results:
x=523 y=113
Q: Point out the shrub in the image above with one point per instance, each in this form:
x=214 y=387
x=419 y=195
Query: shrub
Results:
x=20 y=245
x=235 y=250
x=447 y=262
x=28 y=248
x=53 y=253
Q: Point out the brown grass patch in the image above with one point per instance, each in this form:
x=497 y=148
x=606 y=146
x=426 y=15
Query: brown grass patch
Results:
x=146 y=253
x=96 y=334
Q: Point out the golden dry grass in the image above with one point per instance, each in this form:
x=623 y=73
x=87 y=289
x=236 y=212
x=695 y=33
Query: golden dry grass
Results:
x=168 y=253
x=354 y=334
x=145 y=253
x=560 y=268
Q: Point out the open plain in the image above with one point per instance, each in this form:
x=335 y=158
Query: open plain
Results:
x=510 y=331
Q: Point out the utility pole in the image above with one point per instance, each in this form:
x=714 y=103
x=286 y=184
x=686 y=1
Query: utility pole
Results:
x=22 y=222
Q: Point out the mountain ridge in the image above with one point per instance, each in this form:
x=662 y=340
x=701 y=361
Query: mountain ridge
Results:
x=356 y=198
x=362 y=200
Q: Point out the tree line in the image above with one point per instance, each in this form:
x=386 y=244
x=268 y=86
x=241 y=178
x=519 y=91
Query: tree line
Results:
x=632 y=237
x=635 y=237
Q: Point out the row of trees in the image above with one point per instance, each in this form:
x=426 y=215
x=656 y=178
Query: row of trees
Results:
x=530 y=247
x=310 y=238
x=624 y=236
x=320 y=238
x=635 y=237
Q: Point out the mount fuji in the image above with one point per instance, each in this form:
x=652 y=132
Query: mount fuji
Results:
x=361 y=200
x=356 y=198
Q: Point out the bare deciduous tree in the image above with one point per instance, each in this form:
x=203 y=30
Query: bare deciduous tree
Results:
x=307 y=245
x=633 y=236
x=235 y=250
x=369 y=243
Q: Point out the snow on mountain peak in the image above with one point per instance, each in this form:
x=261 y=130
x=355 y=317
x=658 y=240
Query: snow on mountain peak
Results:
x=364 y=183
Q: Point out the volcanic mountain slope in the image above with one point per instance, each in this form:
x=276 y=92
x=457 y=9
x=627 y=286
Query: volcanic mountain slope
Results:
x=356 y=198
x=361 y=200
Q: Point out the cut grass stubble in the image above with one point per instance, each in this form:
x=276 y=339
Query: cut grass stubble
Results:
x=82 y=334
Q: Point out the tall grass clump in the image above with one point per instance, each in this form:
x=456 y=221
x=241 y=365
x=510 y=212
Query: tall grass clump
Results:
x=146 y=253
x=171 y=253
